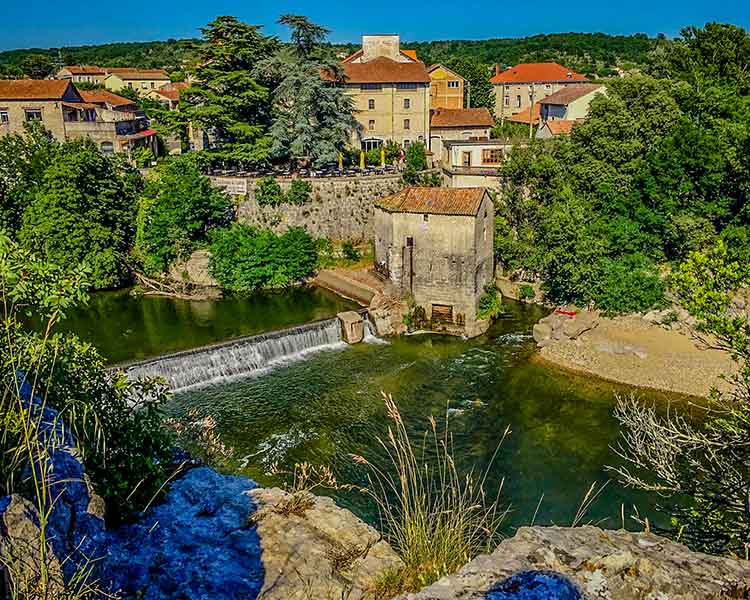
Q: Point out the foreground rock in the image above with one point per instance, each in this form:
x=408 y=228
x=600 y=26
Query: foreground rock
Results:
x=603 y=565
x=387 y=313
x=565 y=323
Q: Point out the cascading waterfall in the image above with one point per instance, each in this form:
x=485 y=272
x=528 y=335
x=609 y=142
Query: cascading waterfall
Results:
x=240 y=357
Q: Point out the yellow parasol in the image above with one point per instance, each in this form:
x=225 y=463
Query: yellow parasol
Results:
x=341 y=161
x=362 y=160
x=382 y=157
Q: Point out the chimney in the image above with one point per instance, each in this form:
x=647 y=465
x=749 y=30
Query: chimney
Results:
x=497 y=69
x=374 y=46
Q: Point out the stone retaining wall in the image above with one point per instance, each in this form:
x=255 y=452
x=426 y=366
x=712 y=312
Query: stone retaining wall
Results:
x=340 y=208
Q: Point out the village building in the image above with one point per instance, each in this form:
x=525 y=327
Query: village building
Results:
x=140 y=80
x=519 y=88
x=391 y=92
x=550 y=129
x=114 y=123
x=563 y=109
x=453 y=124
x=169 y=94
x=83 y=74
x=473 y=163
x=435 y=245
x=446 y=88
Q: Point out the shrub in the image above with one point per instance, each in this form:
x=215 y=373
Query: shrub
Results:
x=628 y=284
x=177 y=210
x=526 y=292
x=490 y=303
x=268 y=192
x=326 y=256
x=244 y=259
x=299 y=192
x=416 y=162
x=350 y=252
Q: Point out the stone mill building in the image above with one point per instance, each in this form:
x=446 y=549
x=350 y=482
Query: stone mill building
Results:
x=436 y=245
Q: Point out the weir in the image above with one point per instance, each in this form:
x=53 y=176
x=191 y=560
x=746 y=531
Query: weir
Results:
x=239 y=357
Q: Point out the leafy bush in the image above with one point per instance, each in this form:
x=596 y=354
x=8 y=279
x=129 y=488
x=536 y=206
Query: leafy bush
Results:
x=269 y=192
x=244 y=259
x=416 y=162
x=176 y=212
x=350 y=252
x=326 y=254
x=299 y=192
x=628 y=284
x=117 y=423
x=490 y=303
x=526 y=292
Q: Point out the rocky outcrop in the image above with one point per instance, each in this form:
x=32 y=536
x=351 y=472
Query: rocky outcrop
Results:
x=194 y=270
x=565 y=323
x=387 y=314
x=602 y=565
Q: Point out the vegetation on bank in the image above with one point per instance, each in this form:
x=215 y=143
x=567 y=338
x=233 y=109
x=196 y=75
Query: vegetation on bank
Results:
x=659 y=169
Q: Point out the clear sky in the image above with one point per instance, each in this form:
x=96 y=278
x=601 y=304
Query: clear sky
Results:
x=54 y=23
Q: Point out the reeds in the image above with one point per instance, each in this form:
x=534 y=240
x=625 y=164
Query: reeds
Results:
x=435 y=518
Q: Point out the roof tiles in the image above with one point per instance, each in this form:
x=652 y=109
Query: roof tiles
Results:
x=436 y=201
x=385 y=70
x=537 y=72
x=570 y=93
x=33 y=89
x=462 y=117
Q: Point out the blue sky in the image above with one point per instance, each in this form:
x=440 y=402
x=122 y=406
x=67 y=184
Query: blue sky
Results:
x=45 y=23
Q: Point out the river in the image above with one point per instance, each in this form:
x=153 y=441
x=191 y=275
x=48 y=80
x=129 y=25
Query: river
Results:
x=327 y=405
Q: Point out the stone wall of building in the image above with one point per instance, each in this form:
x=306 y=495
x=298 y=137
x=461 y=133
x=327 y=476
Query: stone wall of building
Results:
x=340 y=208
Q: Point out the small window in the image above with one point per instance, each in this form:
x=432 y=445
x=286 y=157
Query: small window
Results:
x=507 y=100
x=144 y=85
x=407 y=143
x=371 y=104
x=410 y=242
x=407 y=103
x=33 y=114
x=518 y=101
x=130 y=84
x=406 y=86
x=453 y=84
x=492 y=156
x=107 y=148
x=153 y=85
x=371 y=124
x=407 y=124
x=371 y=86
x=4 y=117
x=548 y=86
x=426 y=218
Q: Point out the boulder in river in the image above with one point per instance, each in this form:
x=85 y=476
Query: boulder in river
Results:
x=565 y=323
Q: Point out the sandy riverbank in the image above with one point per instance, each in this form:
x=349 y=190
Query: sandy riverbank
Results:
x=631 y=351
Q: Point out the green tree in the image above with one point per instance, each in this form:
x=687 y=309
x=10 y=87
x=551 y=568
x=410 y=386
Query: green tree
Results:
x=226 y=99
x=176 y=211
x=416 y=162
x=37 y=66
x=478 y=90
x=705 y=466
x=313 y=117
x=83 y=211
x=244 y=259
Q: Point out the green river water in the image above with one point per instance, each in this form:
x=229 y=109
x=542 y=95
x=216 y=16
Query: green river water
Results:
x=327 y=406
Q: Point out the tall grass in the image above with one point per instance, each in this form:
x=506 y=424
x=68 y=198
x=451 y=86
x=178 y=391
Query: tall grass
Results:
x=435 y=518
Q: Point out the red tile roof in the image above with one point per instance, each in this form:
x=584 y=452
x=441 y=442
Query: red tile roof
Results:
x=462 y=117
x=33 y=89
x=436 y=201
x=105 y=97
x=570 y=93
x=85 y=70
x=560 y=127
x=523 y=116
x=537 y=72
x=384 y=70
x=410 y=53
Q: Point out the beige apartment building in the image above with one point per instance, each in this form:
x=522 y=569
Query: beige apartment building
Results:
x=140 y=80
x=519 y=89
x=115 y=124
x=391 y=92
x=453 y=124
x=446 y=88
x=83 y=74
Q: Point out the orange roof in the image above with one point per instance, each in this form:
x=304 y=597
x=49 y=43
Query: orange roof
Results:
x=560 y=127
x=570 y=93
x=33 y=89
x=436 y=201
x=462 y=117
x=105 y=97
x=410 y=53
x=132 y=73
x=537 y=72
x=384 y=70
x=523 y=116
x=85 y=70
x=169 y=94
